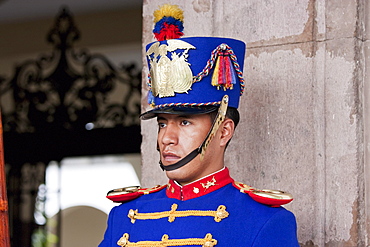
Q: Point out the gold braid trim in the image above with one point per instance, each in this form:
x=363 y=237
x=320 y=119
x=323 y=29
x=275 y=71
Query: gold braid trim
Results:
x=218 y=215
x=208 y=241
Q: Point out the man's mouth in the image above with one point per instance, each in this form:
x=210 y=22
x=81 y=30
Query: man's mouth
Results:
x=169 y=157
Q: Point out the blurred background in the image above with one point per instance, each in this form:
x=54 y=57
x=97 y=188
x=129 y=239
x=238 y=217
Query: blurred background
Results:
x=70 y=83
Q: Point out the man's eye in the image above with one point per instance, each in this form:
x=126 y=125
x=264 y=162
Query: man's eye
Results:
x=185 y=122
x=161 y=125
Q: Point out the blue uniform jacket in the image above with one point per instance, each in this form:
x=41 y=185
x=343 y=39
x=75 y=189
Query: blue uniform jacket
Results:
x=209 y=212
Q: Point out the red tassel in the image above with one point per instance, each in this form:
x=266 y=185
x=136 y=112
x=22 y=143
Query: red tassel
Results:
x=221 y=74
x=228 y=74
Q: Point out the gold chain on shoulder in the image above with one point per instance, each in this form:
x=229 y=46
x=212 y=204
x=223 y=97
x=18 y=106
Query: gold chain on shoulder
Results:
x=207 y=241
x=218 y=215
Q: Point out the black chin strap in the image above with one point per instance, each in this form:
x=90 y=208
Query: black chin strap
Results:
x=202 y=148
x=181 y=162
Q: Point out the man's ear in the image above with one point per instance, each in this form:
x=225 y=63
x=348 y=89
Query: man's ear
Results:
x=227 y=131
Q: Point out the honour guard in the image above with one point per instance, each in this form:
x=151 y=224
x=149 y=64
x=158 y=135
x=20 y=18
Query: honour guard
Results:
x=195 y=84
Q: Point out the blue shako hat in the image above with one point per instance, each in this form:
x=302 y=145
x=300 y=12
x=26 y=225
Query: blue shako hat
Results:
x=191 y=75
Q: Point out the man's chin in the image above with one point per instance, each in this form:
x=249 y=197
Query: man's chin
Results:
x=174 y=173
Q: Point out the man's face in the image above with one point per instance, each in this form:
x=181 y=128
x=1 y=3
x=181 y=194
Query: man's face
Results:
x=178 y=135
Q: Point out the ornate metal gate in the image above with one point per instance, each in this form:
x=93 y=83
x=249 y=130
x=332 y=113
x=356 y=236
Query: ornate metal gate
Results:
x=65 y=104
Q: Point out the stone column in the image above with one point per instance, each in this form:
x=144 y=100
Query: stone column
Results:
x=305 y=114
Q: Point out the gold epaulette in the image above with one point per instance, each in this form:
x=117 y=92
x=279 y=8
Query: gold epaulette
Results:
x=273 y=198
x=132 y=192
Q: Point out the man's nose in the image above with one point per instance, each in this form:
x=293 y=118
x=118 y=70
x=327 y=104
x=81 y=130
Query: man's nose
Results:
x=170 y=135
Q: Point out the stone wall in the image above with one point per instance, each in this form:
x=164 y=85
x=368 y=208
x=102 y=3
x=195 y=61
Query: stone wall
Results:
x=305 y=113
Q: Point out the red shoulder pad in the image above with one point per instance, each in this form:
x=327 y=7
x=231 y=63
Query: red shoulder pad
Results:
x=273 y=198
x=130 y=193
